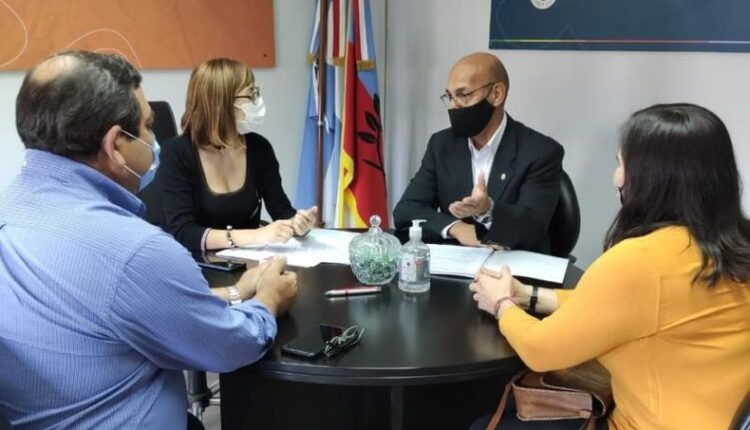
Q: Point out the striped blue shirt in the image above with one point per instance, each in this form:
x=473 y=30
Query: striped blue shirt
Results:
x=100 y=311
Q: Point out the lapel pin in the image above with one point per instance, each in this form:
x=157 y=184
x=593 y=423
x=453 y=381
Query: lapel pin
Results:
x=502 y=177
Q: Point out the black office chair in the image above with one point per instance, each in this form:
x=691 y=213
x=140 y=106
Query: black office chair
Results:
x=742 y=417
x=200 y=395
x=165 y=128
x=565 y=225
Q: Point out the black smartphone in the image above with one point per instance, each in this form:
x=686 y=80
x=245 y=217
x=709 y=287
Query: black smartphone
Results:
x=311 y=343
x=225 y=266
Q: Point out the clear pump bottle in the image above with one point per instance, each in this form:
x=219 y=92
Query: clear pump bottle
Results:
x=414 y=273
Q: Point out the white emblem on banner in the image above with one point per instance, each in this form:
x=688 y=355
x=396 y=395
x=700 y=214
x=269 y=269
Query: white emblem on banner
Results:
x=543 y=4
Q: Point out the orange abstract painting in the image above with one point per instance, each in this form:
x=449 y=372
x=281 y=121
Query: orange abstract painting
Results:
x=152 y=34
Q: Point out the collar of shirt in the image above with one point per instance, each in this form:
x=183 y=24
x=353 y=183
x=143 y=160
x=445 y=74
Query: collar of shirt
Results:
x=42 y=165
x=481 y=159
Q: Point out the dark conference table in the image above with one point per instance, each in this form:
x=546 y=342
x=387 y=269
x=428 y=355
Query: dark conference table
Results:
x=425 y=361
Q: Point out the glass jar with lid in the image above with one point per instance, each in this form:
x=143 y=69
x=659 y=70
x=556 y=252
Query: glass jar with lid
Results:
x=374 y=255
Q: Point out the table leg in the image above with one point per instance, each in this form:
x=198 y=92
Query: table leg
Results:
x=397 y=407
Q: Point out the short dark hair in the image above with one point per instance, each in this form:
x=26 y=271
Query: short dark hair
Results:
x=680 y=169
x=70 y=113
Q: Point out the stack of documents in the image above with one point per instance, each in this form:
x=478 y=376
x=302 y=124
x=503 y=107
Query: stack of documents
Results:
x=319 y=246
x=332 y=246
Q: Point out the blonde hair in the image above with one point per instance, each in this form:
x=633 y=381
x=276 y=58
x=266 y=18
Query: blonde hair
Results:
x=209 y=110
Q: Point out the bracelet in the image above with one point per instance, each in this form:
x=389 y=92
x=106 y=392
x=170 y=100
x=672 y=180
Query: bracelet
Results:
x=229 y=237
x=534 y=298
x=204 y=239
x=500 y=303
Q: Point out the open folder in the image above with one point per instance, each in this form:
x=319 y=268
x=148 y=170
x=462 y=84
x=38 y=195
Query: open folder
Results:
x=466 y=261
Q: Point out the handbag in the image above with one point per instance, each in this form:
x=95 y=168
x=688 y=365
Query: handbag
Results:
x=582 y=392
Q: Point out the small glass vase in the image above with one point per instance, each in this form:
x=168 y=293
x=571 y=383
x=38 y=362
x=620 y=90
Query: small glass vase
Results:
x=374 y=255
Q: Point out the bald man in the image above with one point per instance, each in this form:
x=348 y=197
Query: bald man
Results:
x=487 y=179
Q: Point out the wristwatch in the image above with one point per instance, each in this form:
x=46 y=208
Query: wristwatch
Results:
x=534 y=298
x=486 y=218
x=234 y=295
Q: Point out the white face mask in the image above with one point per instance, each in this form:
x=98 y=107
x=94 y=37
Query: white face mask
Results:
x=254 y=112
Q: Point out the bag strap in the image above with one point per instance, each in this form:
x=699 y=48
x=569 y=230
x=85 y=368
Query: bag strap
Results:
x=503 y=401
x=589 y=424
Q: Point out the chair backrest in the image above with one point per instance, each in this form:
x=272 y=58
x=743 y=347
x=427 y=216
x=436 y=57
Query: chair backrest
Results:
x=742 y=417
x=565 y=225
x=165 y=128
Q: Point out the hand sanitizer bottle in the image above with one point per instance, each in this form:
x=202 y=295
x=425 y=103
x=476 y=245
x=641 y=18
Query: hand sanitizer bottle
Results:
x=414 y=273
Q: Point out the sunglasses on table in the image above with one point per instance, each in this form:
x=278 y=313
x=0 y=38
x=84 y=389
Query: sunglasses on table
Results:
x=344 y=341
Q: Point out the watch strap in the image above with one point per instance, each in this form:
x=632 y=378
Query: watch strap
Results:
x=534 y=298
x=234 y=295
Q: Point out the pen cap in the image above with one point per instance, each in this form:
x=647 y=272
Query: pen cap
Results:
x=415 y=231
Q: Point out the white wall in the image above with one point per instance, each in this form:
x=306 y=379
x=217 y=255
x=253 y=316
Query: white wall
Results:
x=579 y=98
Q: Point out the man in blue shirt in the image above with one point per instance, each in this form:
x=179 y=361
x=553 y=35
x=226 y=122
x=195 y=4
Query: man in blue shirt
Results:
x=100 y=311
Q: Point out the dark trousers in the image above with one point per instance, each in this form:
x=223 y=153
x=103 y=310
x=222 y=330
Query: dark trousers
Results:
x=4 y=424
x=511 y=422
x=194 y=423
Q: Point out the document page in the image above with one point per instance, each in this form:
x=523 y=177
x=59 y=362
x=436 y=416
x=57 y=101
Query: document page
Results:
x=319 y=246
x=457 y=260
x=530 y=265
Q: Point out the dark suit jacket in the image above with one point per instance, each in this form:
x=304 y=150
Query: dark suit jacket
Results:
x=525 y=198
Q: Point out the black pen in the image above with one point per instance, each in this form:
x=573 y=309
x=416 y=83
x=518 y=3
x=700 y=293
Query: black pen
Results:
x=356 y=291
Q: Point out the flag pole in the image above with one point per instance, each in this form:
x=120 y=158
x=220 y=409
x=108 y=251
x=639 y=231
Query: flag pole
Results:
x=322 y=66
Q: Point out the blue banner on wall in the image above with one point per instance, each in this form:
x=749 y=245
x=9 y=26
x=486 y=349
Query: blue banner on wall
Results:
x=633 y=25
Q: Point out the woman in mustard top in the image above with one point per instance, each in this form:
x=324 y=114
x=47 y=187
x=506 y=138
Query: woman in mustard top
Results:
x=666 y=308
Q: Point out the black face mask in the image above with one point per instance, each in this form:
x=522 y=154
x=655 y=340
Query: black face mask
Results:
x=470 y=120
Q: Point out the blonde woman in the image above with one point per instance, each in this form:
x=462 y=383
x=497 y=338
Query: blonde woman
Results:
x=218 y=173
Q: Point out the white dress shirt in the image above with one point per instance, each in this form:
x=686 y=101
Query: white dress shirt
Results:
x=481 y=162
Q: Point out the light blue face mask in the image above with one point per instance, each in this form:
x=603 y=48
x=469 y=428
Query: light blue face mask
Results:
x=150 y=174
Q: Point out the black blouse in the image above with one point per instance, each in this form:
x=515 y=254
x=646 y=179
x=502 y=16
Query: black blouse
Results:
x=190 y=207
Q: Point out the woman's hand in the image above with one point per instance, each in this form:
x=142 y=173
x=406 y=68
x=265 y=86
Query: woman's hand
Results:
x=305 y=220
x=277 y=232
x=519 y=291
x=489 y=287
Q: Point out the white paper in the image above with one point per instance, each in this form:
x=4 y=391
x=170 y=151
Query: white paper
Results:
x=290 y=245
x=457 y=260
x=530 y=265
x=319 y=246
x=332 y=246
